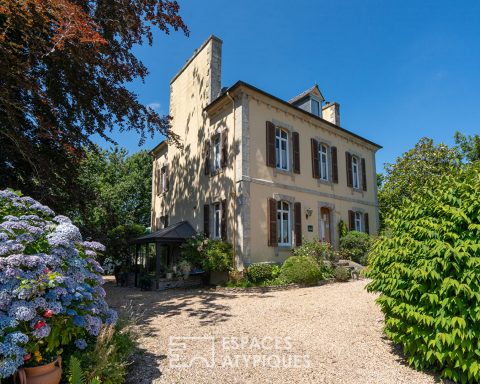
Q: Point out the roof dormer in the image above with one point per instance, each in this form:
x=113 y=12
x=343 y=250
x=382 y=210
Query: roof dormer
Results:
x=310 y=100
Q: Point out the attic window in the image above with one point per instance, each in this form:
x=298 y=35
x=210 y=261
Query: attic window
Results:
x=315 y=107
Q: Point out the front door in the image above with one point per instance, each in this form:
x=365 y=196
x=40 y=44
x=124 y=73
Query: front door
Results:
x=325 y=227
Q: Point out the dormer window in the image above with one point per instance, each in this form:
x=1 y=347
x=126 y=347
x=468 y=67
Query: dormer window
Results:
x=315 y=107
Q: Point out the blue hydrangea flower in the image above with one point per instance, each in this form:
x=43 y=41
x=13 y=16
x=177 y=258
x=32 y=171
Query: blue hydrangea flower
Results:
x=81 y=344
x=42 y=332
x=62 y=277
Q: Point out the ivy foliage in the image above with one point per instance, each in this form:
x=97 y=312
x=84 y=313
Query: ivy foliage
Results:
x=427 y=268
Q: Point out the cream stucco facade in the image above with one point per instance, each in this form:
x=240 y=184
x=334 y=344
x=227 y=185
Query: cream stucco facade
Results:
x=228 y=128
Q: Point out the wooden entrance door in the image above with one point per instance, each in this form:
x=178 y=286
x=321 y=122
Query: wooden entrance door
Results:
x=325 y=225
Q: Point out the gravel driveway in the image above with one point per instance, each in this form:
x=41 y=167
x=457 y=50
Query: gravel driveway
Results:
x=328 y=334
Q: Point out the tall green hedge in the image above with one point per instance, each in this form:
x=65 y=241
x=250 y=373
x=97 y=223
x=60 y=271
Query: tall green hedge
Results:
x=427 y=269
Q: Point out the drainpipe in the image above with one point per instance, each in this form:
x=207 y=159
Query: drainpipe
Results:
x=234 y=193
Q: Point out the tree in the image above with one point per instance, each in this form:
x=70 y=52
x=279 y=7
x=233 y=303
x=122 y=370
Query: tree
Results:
x=63 y=73
x=117 y=192
x=416 y=171
x=469 y=146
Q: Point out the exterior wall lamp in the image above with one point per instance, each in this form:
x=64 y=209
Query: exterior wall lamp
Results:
x=308 y=212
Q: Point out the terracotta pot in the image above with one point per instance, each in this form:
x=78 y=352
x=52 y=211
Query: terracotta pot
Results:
x=43 y=374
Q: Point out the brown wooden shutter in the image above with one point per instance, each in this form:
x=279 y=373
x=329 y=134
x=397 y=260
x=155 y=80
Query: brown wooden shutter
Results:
x=348 y=159
x=272 y=223
x=271 y=156
x=167 y=179
x=158 y=180
x=224 y=159
x=206 y=220
x=223 y=223
x=334 y=165
x=365 y=223
x=315 y=160
x=296 y=152
x=207 y=157
x=351 y=220
x=364 y=175
x=298 y=224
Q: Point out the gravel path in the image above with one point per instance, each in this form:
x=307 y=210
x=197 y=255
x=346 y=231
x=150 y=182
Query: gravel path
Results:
x=328 y=334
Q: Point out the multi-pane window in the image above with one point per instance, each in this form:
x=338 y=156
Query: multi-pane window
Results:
x=323 y=157
x=284 y=233
x=355 y=172
x=217 y=221
x=281 y=145
x=315 y=107
x=163 y=179
x=358 y=221
x=217 y=153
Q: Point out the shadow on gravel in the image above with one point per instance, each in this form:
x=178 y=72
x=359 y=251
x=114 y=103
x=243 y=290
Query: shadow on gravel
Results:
x=400 y=357
x=208 y=306
x=144 y=369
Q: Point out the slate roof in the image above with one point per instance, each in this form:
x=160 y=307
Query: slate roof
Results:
x=305 y=93
x=173 y=233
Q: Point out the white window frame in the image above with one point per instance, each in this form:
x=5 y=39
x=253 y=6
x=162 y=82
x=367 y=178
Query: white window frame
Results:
x=355 y=172
x=163 y=179
x=282 y=156
x=281 y=221
x=323 y=159
x=358 y=221
x=217 y=221
x=217 y=152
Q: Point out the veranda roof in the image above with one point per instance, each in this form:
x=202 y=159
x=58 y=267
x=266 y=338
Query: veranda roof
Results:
x=175 y=233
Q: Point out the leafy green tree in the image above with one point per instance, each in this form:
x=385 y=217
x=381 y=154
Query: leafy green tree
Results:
x=469 y=146
x=426 y=268
x=416 y=171
x=117 y=191
x=118 y=241
x=65 y=68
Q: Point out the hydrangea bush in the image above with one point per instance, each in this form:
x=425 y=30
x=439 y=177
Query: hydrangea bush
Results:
x=51 y=293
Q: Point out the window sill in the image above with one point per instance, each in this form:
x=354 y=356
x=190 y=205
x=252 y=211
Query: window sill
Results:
x=216 y=172
x=324 y=182
x=287 y=247
x=282 y=172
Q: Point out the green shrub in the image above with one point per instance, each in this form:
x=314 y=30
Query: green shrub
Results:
x=342 y=228
x=300 y=270
x=260 y=272
x=191 y=250
x=217 y=256
x=316 y=249
x=108 y=357
x=427 y=269
x=342 y=274
x=355 y=246
x=211 y=255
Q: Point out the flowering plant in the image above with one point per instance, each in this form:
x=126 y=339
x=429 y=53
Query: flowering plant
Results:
x=51 y=293
x=210 y=255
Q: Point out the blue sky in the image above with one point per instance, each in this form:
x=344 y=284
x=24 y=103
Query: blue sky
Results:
x=400 y=70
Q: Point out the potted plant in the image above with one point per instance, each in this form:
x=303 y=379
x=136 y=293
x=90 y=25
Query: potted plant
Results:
x=185 y=268
x=169 y=273
x=217 y=260
x=40 y=369
x=145 y=283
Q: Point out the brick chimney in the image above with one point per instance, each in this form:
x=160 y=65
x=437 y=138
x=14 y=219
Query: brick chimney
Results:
x=331 y=112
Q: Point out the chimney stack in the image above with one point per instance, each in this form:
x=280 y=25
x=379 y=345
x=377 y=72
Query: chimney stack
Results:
x=331 y=112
